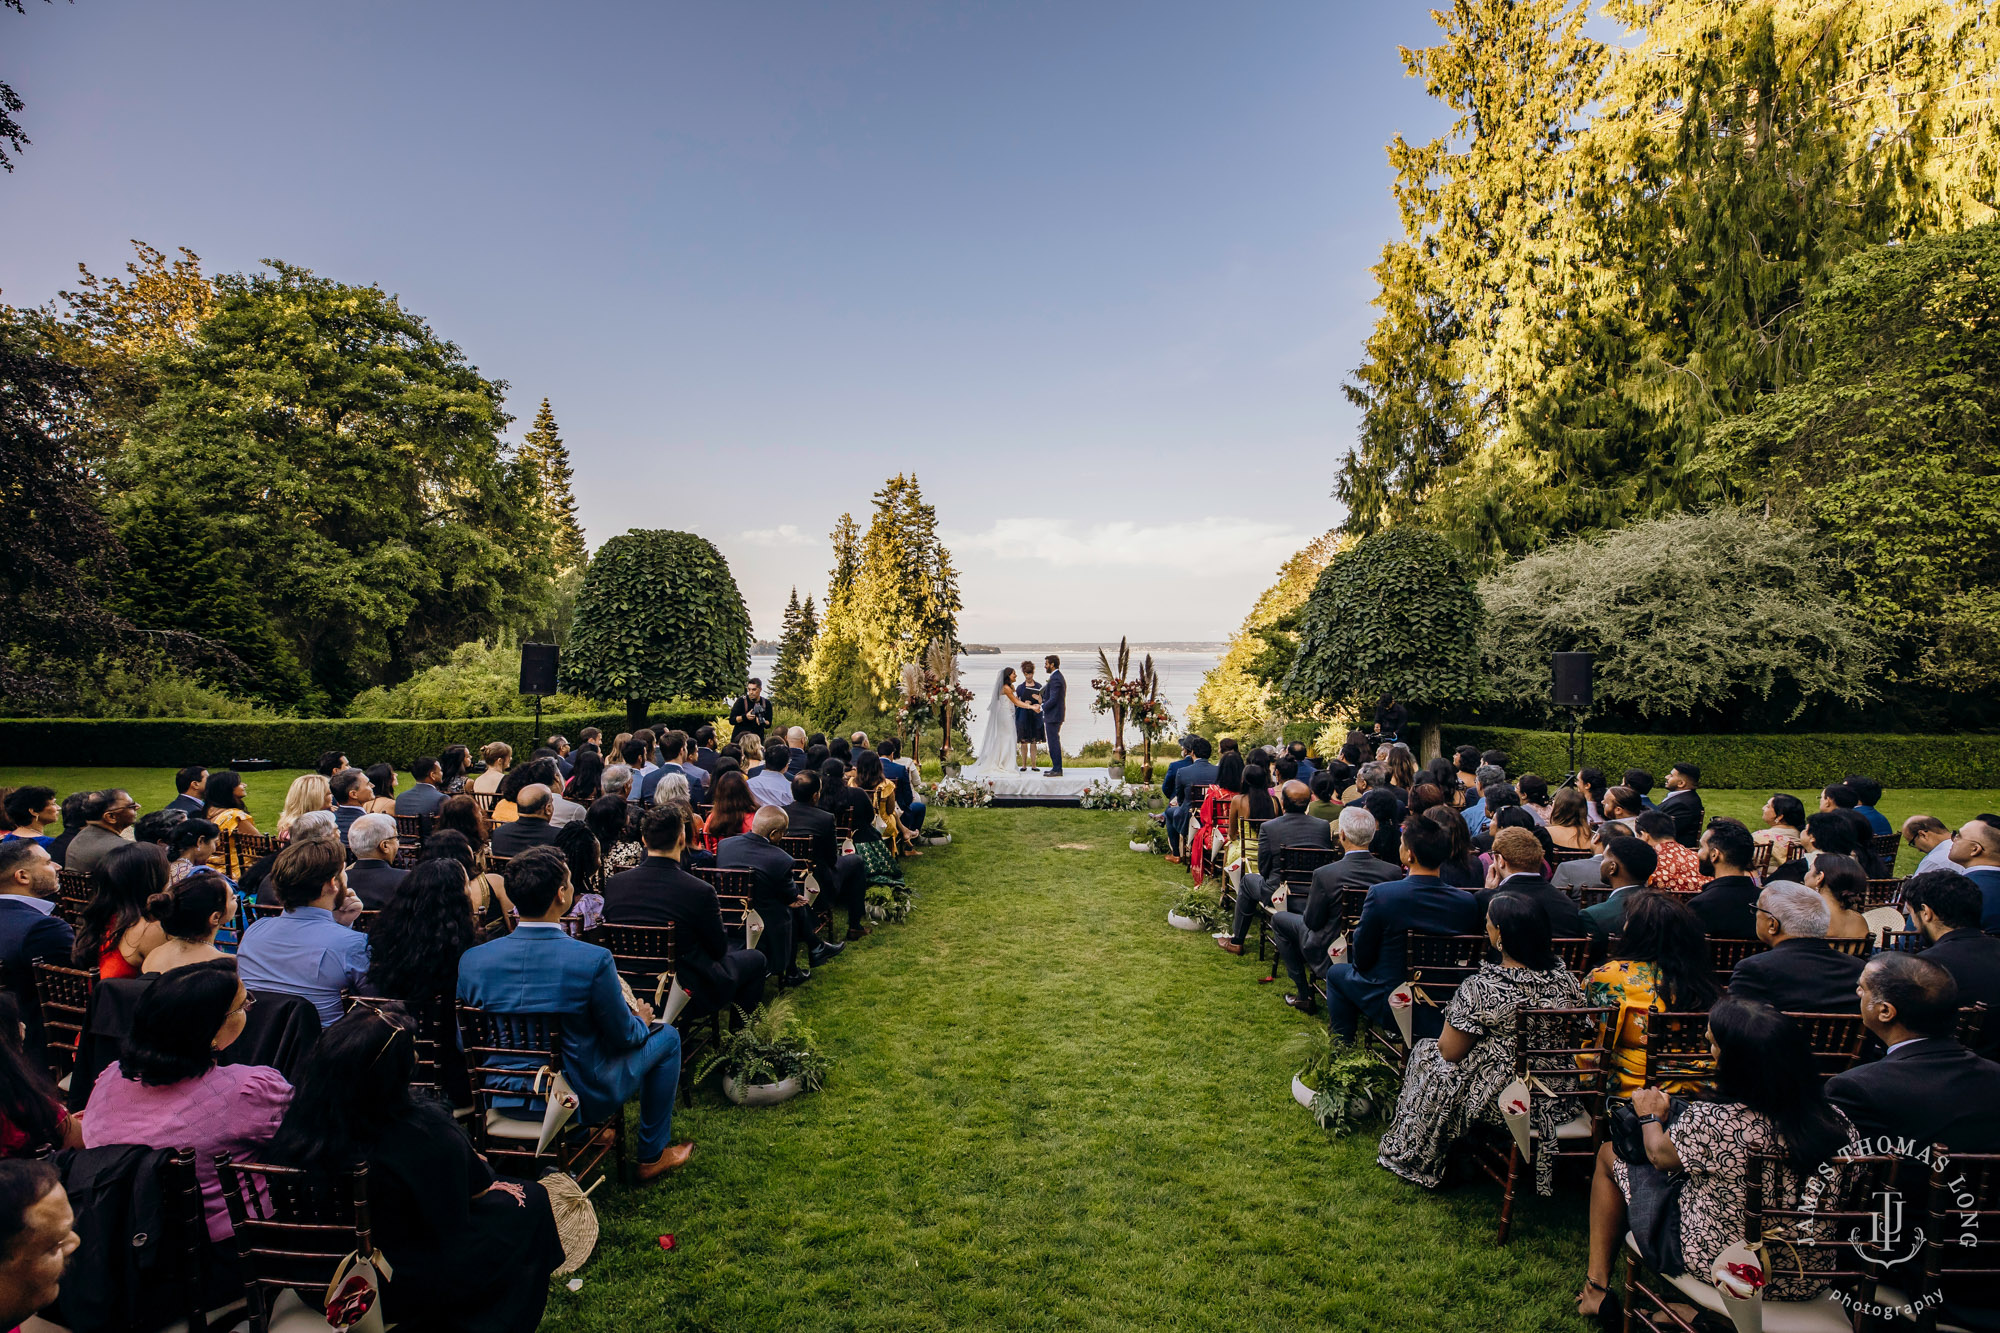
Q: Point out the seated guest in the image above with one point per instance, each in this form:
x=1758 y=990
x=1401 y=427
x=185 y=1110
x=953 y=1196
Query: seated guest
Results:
x=891 y=753
x=156 y=827
x=1946 y=907
x=1727 y=903
x=1828 y=832
x=1589 y=873
x=1568 y=820
x=382 y=778
x=1842 y=800
x=616 y=827
x=610 y=1051
x=506 y=801
x=1420 y=902
x=193 y=844
x=704 y=754
x=73 y=824
x=1293 y=828
x=1461 y=868
x=459 y=817
x=850 y=807
x=30 y=931
x=533 y=828
x=414 y=948
x=1192 y=770
x=586 y=865
x=113 y=934
x=351 y=794
x=189 y=783
x=1622 y=803
x=165 y=1089
x=1517 y=868
x=1453 y=1082
x=1682 y=803
x=1660 y=964
x=1927 y=1088
x=312 y=824
x=107 y=814
x=33 y=1119
x=1771 y=1102
x=773 y=894
x=617 y=781
x=659 y=892
x=307 y=794
x=37 y=1237
x=1800 y=973
x=473 y=1252
x=1932 y=841
x=1844 y=889
x=1868 y=793
x=1976 y=852
x=1325 y=804
x=1303 y=937
x=842 y=875
x=190 y=914
x=772 y=786
x=1639 y=782
x=1784 y=826
x=730 y=815
x=373 y=876
x=309 y=951
x=31 y=810
x=868 y=776
x=1475 y=812
x=1627 y=866
x=1534 y=791
x=499 y=757
x=562 y=810
x=426 y=791
x=585 y=783
x=1678 y=868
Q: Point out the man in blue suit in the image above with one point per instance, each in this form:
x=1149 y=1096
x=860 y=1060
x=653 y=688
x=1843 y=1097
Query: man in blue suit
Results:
x=29 y=931
x=1422 y=903
x=1193 y=770
x=609 y=1051
x=1055 y=697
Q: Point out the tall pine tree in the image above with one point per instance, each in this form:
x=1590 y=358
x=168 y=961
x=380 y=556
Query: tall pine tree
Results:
x=836 y=686
x=542 y=449
x=906 y=588
x=795 y=646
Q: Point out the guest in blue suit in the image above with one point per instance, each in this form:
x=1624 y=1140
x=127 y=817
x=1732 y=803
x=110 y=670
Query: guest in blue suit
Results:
x=1422 y=903
x=29 y=931
x=609 y=1052
x=1191 y=771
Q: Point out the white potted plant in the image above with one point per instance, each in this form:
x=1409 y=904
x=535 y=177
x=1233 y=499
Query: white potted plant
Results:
x=1147 y=836
x=1339 y=1082
x=1198 y=908
x=935 y=832
x=772 y=1058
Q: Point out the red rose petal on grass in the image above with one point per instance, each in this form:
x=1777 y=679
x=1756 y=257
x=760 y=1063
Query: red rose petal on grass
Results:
x=666 y=1242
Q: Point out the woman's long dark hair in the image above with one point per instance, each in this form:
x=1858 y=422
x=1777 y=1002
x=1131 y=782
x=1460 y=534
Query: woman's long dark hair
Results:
x=1843 y=877
x=452 y=765
x=220 y=791
x=1257 y=791
x=353 y=1087
x=175 y=1023
x=832 y=779
x=519 y=776
x=414 y=946
x=586 y=779
x=1789 y=809
x=1229 y=773
x=1453 y=824
x=1767 y=1065
x=732 y=804
x=1524 y=930
x=868 y=772
x=610 y=819
x=461 y=815
x=579 y=847
x=28 y=1100
x=120 y=886
x=1662 y=930
x=185 y=909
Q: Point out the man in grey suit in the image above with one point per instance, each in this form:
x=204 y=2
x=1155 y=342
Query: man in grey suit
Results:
x=1589 y=874
x=1292 y=827
x=1303 y=937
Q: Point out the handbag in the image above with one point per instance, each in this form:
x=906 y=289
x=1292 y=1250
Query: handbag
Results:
x=1653 y=1209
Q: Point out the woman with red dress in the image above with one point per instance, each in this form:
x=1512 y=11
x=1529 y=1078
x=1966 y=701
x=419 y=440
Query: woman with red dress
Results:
x=113 y=934
x=730 y=815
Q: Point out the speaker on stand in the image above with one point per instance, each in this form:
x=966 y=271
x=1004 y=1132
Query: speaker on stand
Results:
x=539 y=665
x=1571 y=689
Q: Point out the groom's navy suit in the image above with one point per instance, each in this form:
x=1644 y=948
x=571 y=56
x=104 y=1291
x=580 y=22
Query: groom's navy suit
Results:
x=1054 y=690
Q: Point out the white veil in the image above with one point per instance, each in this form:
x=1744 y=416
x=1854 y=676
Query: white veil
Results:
x=995 y=752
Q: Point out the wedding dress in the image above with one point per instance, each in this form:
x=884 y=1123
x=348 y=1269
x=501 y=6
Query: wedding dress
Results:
x=995 y=752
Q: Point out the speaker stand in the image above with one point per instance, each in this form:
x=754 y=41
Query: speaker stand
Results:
x=538 y=722
x=1575 y=740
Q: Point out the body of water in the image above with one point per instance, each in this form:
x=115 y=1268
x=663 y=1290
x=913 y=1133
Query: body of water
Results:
x=1181 y=672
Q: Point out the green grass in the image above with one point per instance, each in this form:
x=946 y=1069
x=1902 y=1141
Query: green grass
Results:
x=154 y=787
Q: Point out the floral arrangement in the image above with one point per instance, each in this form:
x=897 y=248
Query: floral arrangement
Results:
x=958 y=794
x=932 y=695
x=1112 y=796
x=1151 y=833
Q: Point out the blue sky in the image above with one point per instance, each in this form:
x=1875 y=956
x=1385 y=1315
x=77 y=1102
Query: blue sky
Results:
x=1094 y=272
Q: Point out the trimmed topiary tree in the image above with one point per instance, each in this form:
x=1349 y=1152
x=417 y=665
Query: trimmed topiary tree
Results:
x=1393 y=614
x=659 y=617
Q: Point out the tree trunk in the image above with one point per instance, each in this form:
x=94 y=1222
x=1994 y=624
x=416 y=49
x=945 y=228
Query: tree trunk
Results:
x=1431 y=743
x=635 y=713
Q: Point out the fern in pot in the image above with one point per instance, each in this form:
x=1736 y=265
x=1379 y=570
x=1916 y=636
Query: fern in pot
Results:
x=1147 y=836
x=1339 y=1081
x=1199 y=907
x=771 y=1058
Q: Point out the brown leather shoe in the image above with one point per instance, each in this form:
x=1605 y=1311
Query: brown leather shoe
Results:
x=675 y=1156
x=1230 y=946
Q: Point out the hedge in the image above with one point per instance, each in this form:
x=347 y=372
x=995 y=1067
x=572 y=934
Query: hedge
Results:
x=1779 y=762
x=294 y=742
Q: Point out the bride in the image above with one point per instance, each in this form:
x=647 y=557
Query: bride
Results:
x=998 y=738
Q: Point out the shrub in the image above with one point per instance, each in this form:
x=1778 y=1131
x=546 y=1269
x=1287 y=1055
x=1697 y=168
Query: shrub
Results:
x=1790 y=761
x=479 y=680
x=658 y=617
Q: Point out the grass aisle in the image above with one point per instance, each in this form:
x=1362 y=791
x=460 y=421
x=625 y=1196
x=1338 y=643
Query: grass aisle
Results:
x=1050 y=1110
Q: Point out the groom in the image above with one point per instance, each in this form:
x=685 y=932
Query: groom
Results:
x=1053 y=689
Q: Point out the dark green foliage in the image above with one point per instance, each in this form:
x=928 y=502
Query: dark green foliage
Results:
x=795 y=646
x=1804 y=761
x=297 y=742
x=1395 y=614
x=543 y=451
x=659 y=617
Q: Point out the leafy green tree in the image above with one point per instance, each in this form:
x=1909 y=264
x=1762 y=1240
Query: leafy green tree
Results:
x=12 y=137
x=1393 y=614
x=1716 y=621
x=543 y=451
x=1237 y=696
x=479 y=679
x=836 y=681
x=905 y=589
x=352 y=461
x=659 y=617
x=795 y=646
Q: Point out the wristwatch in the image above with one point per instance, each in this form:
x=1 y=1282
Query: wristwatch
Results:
x=1649 y=1120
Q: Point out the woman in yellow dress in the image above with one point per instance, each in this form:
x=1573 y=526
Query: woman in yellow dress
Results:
x=1662 y=967
x=226 y=801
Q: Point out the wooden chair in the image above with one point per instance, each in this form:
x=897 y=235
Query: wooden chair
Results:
x=72 y=892
x=1578 y=955
x=1563 y=1051
x=1964 y=1207
x=1861 y=946
x=486 y=801
x=1886 y=846
x=502 y=1053
x=732 y=892
x=259 y=910
x=1677 y=1049
x=293 y=1229
x=1836 y=1040
x=413 y=828
x=647 y=957
x=1903 y=941
x=242 y=850
x=1724 y=955
x=1760 y=858
x=1590 y=895
x=63 y=996
x=1560 y=856
x=1797 y=1241
x=1436 y=966
x=1295 y=873
x=1882 y=893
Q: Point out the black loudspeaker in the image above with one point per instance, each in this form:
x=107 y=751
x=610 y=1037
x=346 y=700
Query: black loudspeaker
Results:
x=538 y=667
x=1572 y=686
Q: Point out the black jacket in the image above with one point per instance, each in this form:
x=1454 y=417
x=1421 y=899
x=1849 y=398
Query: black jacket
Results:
x=1930 y=1091
x=1800 y=977
x=1727 y=906
x=747 y=714
x=1684 y=807
x=1973 y=959
x=517 y=837
x=769 y=865
x=123 y=1274
x=1323 y=903
x=815 y=823
x=1300 y=830
x=1566 y=921
x=421 y=799
x=657 y=891
x=1199 y=773
x=375 y=882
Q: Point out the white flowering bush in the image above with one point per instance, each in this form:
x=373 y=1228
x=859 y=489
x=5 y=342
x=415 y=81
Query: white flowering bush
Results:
x=958 y=794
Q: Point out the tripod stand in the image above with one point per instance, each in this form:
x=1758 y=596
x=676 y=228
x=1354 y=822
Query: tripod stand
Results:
x=1576 y=719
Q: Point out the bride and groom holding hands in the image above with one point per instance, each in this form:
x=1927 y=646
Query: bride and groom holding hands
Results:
x=1026 y=715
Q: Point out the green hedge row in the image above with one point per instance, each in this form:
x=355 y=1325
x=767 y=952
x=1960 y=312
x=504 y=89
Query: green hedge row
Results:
x=294 y=742
x=1784 y=762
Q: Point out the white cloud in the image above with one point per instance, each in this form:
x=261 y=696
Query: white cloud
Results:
x=1214 y=545
x=785 y=534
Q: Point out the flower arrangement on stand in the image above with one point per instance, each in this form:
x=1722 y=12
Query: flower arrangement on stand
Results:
x=1112 y=796
x=1116 y=693
x=932 y=695
x=1149 y=714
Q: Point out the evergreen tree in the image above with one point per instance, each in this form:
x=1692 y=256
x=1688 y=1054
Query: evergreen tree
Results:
x=834 y=684
x=906 y=590
x=542 y=449
x=795 y=646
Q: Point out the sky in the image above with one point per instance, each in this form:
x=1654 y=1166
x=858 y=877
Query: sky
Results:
x=1094 y=273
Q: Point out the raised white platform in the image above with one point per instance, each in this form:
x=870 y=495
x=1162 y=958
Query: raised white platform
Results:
x=1009 y=785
